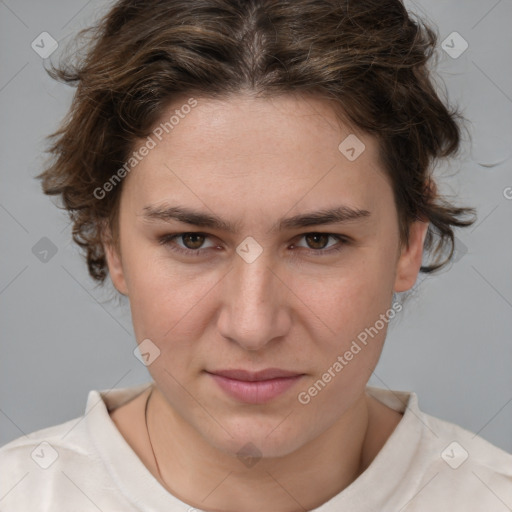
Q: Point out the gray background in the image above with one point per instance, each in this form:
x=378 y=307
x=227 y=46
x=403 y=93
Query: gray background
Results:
x=59 y=338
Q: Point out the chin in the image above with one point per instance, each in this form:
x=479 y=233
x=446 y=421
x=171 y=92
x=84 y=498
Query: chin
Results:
x=250 y=443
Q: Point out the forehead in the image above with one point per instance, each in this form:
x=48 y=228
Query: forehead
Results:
x=247 y=126
x=268 y=151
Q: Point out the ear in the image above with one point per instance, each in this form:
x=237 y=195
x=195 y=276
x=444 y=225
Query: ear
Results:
x=409 y=262
x=114 y=263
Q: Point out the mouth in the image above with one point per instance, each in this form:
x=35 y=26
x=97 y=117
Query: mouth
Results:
x=255 y=387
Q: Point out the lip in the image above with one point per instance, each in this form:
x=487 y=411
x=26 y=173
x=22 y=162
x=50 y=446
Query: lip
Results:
x=255 y=387
x=248 y=376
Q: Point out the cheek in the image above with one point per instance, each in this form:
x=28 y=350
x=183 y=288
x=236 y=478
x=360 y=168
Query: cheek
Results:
x=351 y=298
x=354 y=307
x=357 y=313
x=159 y=292
x=166 y=303
x=172 y=305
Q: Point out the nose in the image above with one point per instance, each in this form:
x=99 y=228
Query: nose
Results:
x=254 y=309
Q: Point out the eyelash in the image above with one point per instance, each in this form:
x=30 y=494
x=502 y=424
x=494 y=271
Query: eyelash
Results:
x=168 y=240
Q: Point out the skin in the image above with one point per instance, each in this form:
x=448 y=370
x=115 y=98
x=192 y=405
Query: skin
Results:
x=255 y=161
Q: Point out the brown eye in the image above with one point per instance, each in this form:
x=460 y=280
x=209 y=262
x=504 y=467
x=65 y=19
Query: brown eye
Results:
x=190 y=243
x=317 y=240
x=316 y=244
x=192 y=240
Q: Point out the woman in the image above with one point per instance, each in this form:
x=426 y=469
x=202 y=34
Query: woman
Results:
x=256 y=177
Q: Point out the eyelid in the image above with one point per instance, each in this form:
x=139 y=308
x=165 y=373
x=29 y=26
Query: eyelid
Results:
x=169 y=238
x=340 y=238
x=205 y=235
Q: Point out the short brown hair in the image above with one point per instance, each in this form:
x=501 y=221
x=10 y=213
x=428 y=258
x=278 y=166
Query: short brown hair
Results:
x=369 y=58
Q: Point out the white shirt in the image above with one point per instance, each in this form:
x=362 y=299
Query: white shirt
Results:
x=85 y=464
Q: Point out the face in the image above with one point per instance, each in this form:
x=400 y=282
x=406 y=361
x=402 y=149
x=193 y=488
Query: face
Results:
x=268 y=286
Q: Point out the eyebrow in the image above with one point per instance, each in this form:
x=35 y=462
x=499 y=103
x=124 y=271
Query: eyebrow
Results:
x=337 y=215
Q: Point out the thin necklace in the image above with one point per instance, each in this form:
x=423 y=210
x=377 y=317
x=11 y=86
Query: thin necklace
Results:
x=152 y=450
x=149 y=437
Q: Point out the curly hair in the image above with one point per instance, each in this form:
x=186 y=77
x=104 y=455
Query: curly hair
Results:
x=369 y=58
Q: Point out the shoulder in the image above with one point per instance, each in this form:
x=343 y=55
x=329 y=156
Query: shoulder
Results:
x=472 y=446
x=44 y=446
x=43 y=463
x=437 y=464
x=462 y=469
x=56 y=468
x=69 y=463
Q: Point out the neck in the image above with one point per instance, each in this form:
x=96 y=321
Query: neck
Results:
x=301 y=480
